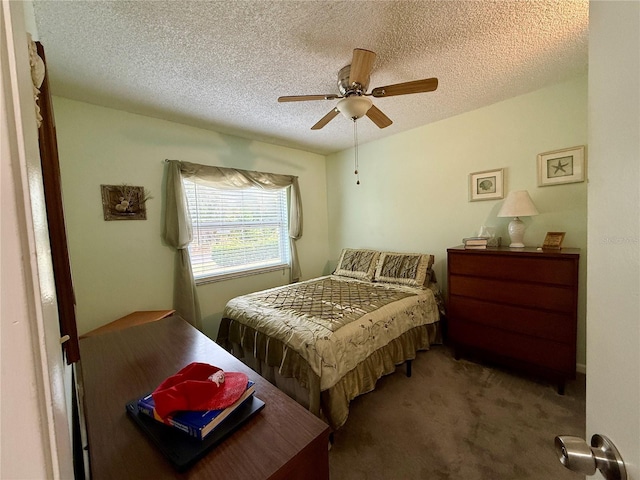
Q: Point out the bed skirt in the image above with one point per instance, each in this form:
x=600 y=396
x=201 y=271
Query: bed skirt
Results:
x=288 y=371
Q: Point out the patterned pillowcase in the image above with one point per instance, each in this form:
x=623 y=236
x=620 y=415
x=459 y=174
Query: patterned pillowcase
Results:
x=404 y=268
x=360 y=264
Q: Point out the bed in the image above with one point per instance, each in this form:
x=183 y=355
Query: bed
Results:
x=327 y=340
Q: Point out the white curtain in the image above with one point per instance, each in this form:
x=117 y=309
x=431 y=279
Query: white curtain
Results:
x=178 y=232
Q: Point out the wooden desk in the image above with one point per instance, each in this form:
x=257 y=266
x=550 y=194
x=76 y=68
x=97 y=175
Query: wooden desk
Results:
x=283 y=441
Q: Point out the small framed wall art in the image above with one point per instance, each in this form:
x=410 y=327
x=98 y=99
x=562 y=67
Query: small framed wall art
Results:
x=486 y=185
x=124 y=202
x=561 y=166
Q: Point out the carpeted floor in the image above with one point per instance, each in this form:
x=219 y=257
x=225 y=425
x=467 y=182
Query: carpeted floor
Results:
x=457 y=420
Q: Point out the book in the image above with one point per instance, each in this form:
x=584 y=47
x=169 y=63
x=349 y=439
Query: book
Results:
x=475 y=241
x=197 y=424
x=183 y=451
x=475 y=247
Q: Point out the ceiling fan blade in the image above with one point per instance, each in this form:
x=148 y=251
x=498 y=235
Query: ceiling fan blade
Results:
x=377 y=117
x=361 y=65
x=303 y=98
x=326 y=119
x=417 y=86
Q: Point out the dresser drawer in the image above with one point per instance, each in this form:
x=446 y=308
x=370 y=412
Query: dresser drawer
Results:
x=553 y=326
x=538 y=296
x=536 y=351
x=554 y=271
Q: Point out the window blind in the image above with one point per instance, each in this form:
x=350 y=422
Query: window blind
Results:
x=236 y=230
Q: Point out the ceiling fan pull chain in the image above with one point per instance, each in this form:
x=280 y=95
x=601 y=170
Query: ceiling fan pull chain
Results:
x=355 y=148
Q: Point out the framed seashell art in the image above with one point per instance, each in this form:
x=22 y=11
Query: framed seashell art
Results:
x=486 y=185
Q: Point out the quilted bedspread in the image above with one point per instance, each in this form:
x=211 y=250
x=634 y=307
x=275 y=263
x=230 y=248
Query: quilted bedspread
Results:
x=334 y=322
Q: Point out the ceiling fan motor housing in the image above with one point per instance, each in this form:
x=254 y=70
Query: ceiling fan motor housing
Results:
x=344 y=85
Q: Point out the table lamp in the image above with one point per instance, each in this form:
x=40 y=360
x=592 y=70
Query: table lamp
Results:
x=517 y=204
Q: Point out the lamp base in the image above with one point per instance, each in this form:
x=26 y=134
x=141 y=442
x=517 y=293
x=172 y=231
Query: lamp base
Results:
x=516 y=232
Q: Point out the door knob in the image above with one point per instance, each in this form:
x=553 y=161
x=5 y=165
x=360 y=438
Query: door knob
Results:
x=576 y=455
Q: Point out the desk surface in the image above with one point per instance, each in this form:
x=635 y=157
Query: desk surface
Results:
x=283 y=441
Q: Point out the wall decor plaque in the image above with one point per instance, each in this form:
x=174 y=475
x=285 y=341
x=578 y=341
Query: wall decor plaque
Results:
x=124 y=202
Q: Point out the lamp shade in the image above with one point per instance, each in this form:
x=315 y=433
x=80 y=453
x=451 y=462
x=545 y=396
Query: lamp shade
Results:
x=518 y=204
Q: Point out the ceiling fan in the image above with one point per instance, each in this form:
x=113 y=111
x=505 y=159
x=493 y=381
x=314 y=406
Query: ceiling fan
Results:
x=353 y=81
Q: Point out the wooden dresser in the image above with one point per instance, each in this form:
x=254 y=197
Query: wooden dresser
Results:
x=282 y=442
x=516 y=307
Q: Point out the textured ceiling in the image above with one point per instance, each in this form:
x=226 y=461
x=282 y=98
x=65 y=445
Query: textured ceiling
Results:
x=222 y=65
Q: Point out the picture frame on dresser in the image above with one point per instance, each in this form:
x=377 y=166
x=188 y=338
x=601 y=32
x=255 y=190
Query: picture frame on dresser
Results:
x=553 y=241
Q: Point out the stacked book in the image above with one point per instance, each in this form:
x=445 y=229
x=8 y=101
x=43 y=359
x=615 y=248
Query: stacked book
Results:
x=197 y=424
x=475 y=242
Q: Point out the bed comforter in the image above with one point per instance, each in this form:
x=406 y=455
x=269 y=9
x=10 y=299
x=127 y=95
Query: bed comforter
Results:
x=335 y=335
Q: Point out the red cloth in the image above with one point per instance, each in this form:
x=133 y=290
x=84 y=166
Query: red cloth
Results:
x=192 y=389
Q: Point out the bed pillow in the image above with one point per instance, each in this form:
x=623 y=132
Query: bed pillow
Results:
x=404 y=268
x=357 y=263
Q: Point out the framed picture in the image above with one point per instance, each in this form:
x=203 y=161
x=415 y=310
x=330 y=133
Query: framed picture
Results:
x=561 y=166
x=123 y=202
x=486 y=185
x=553 y=240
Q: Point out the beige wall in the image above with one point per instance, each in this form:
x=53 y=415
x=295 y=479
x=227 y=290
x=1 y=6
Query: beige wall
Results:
x=414 y=188
x=122 y=266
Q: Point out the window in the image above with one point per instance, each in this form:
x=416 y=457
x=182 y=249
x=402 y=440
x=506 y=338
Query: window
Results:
x=237 y=230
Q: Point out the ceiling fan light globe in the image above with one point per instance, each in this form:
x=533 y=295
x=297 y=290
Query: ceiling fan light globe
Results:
x=354 y=107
